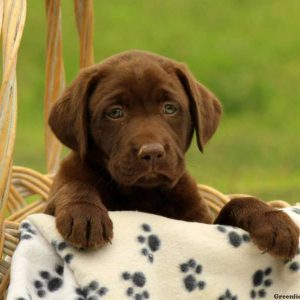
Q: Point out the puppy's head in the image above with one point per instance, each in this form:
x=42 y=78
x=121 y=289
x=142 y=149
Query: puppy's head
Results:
x=135 y=114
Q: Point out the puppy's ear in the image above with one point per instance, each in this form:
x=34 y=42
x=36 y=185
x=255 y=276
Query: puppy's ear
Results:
x=206 y=110
x=69 y=115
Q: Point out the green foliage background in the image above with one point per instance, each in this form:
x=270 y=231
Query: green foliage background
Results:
x=247 y=52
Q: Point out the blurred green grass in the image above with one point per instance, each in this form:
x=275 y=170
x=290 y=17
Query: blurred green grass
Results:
x=247 y=52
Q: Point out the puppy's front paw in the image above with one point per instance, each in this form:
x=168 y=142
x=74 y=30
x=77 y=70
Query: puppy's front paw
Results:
x=276 y=233
x=84 y=225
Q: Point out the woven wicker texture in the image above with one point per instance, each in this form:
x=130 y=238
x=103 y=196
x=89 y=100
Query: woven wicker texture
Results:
x=24 y=191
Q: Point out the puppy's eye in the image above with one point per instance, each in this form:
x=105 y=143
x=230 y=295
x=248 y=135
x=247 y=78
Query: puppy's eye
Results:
x=115 y=113
x=170 y=109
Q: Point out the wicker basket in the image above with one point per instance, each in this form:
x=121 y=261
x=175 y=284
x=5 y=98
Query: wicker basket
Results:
x=19 y=183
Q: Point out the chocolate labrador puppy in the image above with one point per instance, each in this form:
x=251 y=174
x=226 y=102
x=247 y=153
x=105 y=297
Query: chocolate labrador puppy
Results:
x=129 y=121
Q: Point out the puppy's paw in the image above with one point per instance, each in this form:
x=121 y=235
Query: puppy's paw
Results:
x=276 y=233
x=84 y=225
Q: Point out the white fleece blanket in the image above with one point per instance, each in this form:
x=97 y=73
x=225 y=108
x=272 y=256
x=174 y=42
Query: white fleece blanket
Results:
x=151 y=257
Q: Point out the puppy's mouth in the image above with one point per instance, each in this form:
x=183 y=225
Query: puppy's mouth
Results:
x=153 y=179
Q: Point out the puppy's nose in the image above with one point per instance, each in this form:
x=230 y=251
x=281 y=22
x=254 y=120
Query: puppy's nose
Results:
x=152 y=152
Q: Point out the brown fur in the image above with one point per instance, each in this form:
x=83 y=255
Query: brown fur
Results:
x=136 y=161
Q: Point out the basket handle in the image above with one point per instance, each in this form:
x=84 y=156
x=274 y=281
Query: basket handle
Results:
x=55 y=75
x=12 y=20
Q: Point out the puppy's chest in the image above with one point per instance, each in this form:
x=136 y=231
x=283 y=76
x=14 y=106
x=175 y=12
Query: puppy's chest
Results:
x=141 y=200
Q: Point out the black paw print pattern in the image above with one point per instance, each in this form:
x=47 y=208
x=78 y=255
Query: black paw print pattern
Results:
x=60 y=247
x=151 y=242
x=261 y=282
x=296 y=210
x=293 y=265
x=93 y=291
x=228 y=296
x=235 y=239
x=191 y=280
x=48 y=282
x=136 y=289
x=26 y=231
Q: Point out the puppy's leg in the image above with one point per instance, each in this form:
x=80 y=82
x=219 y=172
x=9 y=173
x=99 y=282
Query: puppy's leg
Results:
x=50 y=208
x=183 y=202
x=81 y=218
x=272 y=230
